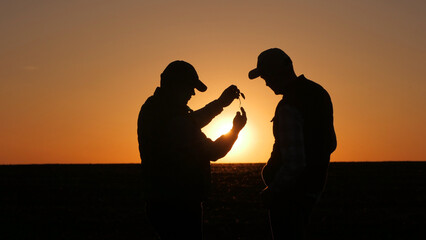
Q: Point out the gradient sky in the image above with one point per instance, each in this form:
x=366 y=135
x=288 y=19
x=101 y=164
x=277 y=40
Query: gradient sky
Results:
x=73 y=74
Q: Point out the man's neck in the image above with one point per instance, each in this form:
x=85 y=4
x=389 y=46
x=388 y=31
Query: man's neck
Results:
x=289 y=81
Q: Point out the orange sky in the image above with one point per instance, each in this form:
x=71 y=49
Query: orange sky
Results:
x=73 y=74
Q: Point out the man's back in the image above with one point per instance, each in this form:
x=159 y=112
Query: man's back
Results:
x=315 y=107
x=157 y=163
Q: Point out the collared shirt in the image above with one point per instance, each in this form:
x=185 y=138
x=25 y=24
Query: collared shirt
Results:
x=288 y=131
x=175 y=153
x=304 y=139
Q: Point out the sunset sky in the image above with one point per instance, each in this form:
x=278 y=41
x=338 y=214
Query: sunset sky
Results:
x=74 y=74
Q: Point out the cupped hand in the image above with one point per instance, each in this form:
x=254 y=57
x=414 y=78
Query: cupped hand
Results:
x=266 y=197
x=228 y=95
x=240 y=120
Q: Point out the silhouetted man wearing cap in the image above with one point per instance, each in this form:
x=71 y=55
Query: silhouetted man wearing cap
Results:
x=175 y=153
x=296 y=172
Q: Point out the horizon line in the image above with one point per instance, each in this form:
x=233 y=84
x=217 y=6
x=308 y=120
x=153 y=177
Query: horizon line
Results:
x=40 y=164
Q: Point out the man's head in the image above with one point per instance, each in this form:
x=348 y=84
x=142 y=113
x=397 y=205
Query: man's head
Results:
x=275 y=67
x=179 y=79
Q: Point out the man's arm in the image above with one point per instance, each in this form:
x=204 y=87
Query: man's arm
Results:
x=224 y=143
x=204 y=115
x=187 y=140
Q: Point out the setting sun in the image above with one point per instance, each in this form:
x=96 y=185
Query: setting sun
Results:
x=223 y=125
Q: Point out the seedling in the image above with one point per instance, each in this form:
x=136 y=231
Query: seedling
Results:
x=241 y=95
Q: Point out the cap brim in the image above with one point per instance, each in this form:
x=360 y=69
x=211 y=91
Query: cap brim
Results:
x=255 y=73
x=200 y=86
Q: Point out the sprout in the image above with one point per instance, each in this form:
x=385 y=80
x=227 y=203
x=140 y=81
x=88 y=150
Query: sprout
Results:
x=239 y=99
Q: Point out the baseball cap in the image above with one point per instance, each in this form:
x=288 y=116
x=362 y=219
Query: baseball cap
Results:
x=181 y=72
x=271 y=60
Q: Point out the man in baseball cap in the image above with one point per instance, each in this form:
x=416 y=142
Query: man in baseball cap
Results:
x=179 y=73
x=269 y=62
x=296 y=172
x=176 y=154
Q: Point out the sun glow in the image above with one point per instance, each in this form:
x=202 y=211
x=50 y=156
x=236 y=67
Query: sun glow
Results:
x=223 y=126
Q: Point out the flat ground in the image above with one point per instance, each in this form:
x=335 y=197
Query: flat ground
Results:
x=361 y=201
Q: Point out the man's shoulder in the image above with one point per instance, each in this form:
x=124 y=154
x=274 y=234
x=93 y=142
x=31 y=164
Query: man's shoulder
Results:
x=150 y=101
x=151 y=105
x=311 y=85
x=150 y=111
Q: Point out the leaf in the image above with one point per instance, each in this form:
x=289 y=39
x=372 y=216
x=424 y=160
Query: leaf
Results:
x=242 y=95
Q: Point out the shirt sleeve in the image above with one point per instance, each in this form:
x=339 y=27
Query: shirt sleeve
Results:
x=204 y=116
x=188 y=141
x=291 y=147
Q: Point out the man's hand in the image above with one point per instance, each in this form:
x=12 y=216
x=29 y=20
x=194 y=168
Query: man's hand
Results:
x=266 y=196
x=228 y=95
x=240 y=120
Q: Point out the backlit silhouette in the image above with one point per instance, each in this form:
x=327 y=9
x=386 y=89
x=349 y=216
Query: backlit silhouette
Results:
x=304 y=139
x=175 y=153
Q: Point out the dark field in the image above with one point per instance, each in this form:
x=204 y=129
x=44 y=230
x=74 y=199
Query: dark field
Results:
x=361 y=201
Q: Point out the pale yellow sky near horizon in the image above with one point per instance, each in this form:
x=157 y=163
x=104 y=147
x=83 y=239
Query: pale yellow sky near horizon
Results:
x=73 y=74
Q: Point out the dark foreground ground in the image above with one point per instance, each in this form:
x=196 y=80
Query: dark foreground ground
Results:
x=361 y=201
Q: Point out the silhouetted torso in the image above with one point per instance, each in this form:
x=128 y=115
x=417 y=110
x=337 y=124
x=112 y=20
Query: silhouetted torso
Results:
x=315 y=107
x=174 y=152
